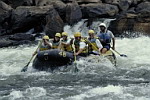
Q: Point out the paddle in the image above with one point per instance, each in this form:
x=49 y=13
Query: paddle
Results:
x=122 y=55
x=26 y=67
x=75 y=57
x=92 y=45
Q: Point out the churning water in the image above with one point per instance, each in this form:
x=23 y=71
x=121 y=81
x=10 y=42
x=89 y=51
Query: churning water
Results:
x=97 y=78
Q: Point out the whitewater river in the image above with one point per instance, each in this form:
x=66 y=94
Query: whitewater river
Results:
x=94 y=81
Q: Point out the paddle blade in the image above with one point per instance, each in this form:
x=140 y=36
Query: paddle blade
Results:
x=24 y=69
x=122 y=55
x=75 y=68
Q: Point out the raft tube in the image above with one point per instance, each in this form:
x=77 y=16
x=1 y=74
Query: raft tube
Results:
x=50 y=59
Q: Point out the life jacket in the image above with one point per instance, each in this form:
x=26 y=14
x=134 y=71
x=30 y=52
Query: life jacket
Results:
x=44 y=47
x=67 y=48
x=55 y=44
x=92 y=45
x=77 y=46
x=104 y=38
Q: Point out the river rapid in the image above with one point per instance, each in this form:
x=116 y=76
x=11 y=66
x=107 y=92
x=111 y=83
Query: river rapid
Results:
x=97 y=78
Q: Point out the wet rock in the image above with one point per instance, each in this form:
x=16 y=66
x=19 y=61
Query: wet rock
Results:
x=143 y=9
x=15 y=3
x=26 y=17
x=73 y=13
x=46 y=2
x=99 y=10
x=5 y=13
x=16 y=39
x=21 y=36
x=60 y=8
x=4 y=42
x=54 y=23
x=127 y=26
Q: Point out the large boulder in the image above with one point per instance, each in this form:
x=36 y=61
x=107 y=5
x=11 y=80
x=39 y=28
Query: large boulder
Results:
x=54 y=23
x=27 y=17
x=5 y=42
x=60 y=8
x=21 y=36
x=16 y=39
x=15 y=3
x=5 y=12
x=143 y=9
x=73 y=13
x=99 y=10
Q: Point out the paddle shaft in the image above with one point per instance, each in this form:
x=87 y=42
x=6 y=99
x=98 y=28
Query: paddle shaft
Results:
x=26 y=67
x=74 y=50
x=75 y=57
x=92 y=45
x=122 y=55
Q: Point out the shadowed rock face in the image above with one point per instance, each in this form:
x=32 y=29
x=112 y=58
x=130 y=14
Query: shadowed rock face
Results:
x=99 y=10
x=26 y=17
x=54 y=23
x=5 y=13
x=73 y=13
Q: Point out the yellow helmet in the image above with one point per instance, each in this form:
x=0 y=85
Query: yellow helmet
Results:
x=64 y=34
x=91 y=32
x=46 y=37
x=77 y=34
x=58 y=35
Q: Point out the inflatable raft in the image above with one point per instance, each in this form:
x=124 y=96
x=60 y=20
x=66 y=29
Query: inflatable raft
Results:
x=51 y=59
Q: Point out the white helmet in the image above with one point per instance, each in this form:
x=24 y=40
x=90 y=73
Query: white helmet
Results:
x=103 y=24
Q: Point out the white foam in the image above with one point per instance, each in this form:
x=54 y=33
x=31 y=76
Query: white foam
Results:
x=35 y=92
x=16 y=95
x=98 y=91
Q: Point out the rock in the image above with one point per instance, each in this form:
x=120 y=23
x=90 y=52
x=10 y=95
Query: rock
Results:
x=60 y=8
x=16 y=3
x=45 y=2
x=22 y=36
x=73 y=13
x=99 y=10
x=130 y=25
x=5 y=12
x=89 y=1
x=4 y=42
x=124 y=5
x=54 y=23
x=143 y=9
x=16 y=39
x=83 y=1
x=26 y=17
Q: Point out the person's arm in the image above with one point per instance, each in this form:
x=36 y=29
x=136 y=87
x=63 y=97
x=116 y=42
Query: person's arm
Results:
x=47 y=43
x=82 y=47
x=38 y=49
x=67 y=43
x=113 y=40
x=99 y=45
x=113 y=45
